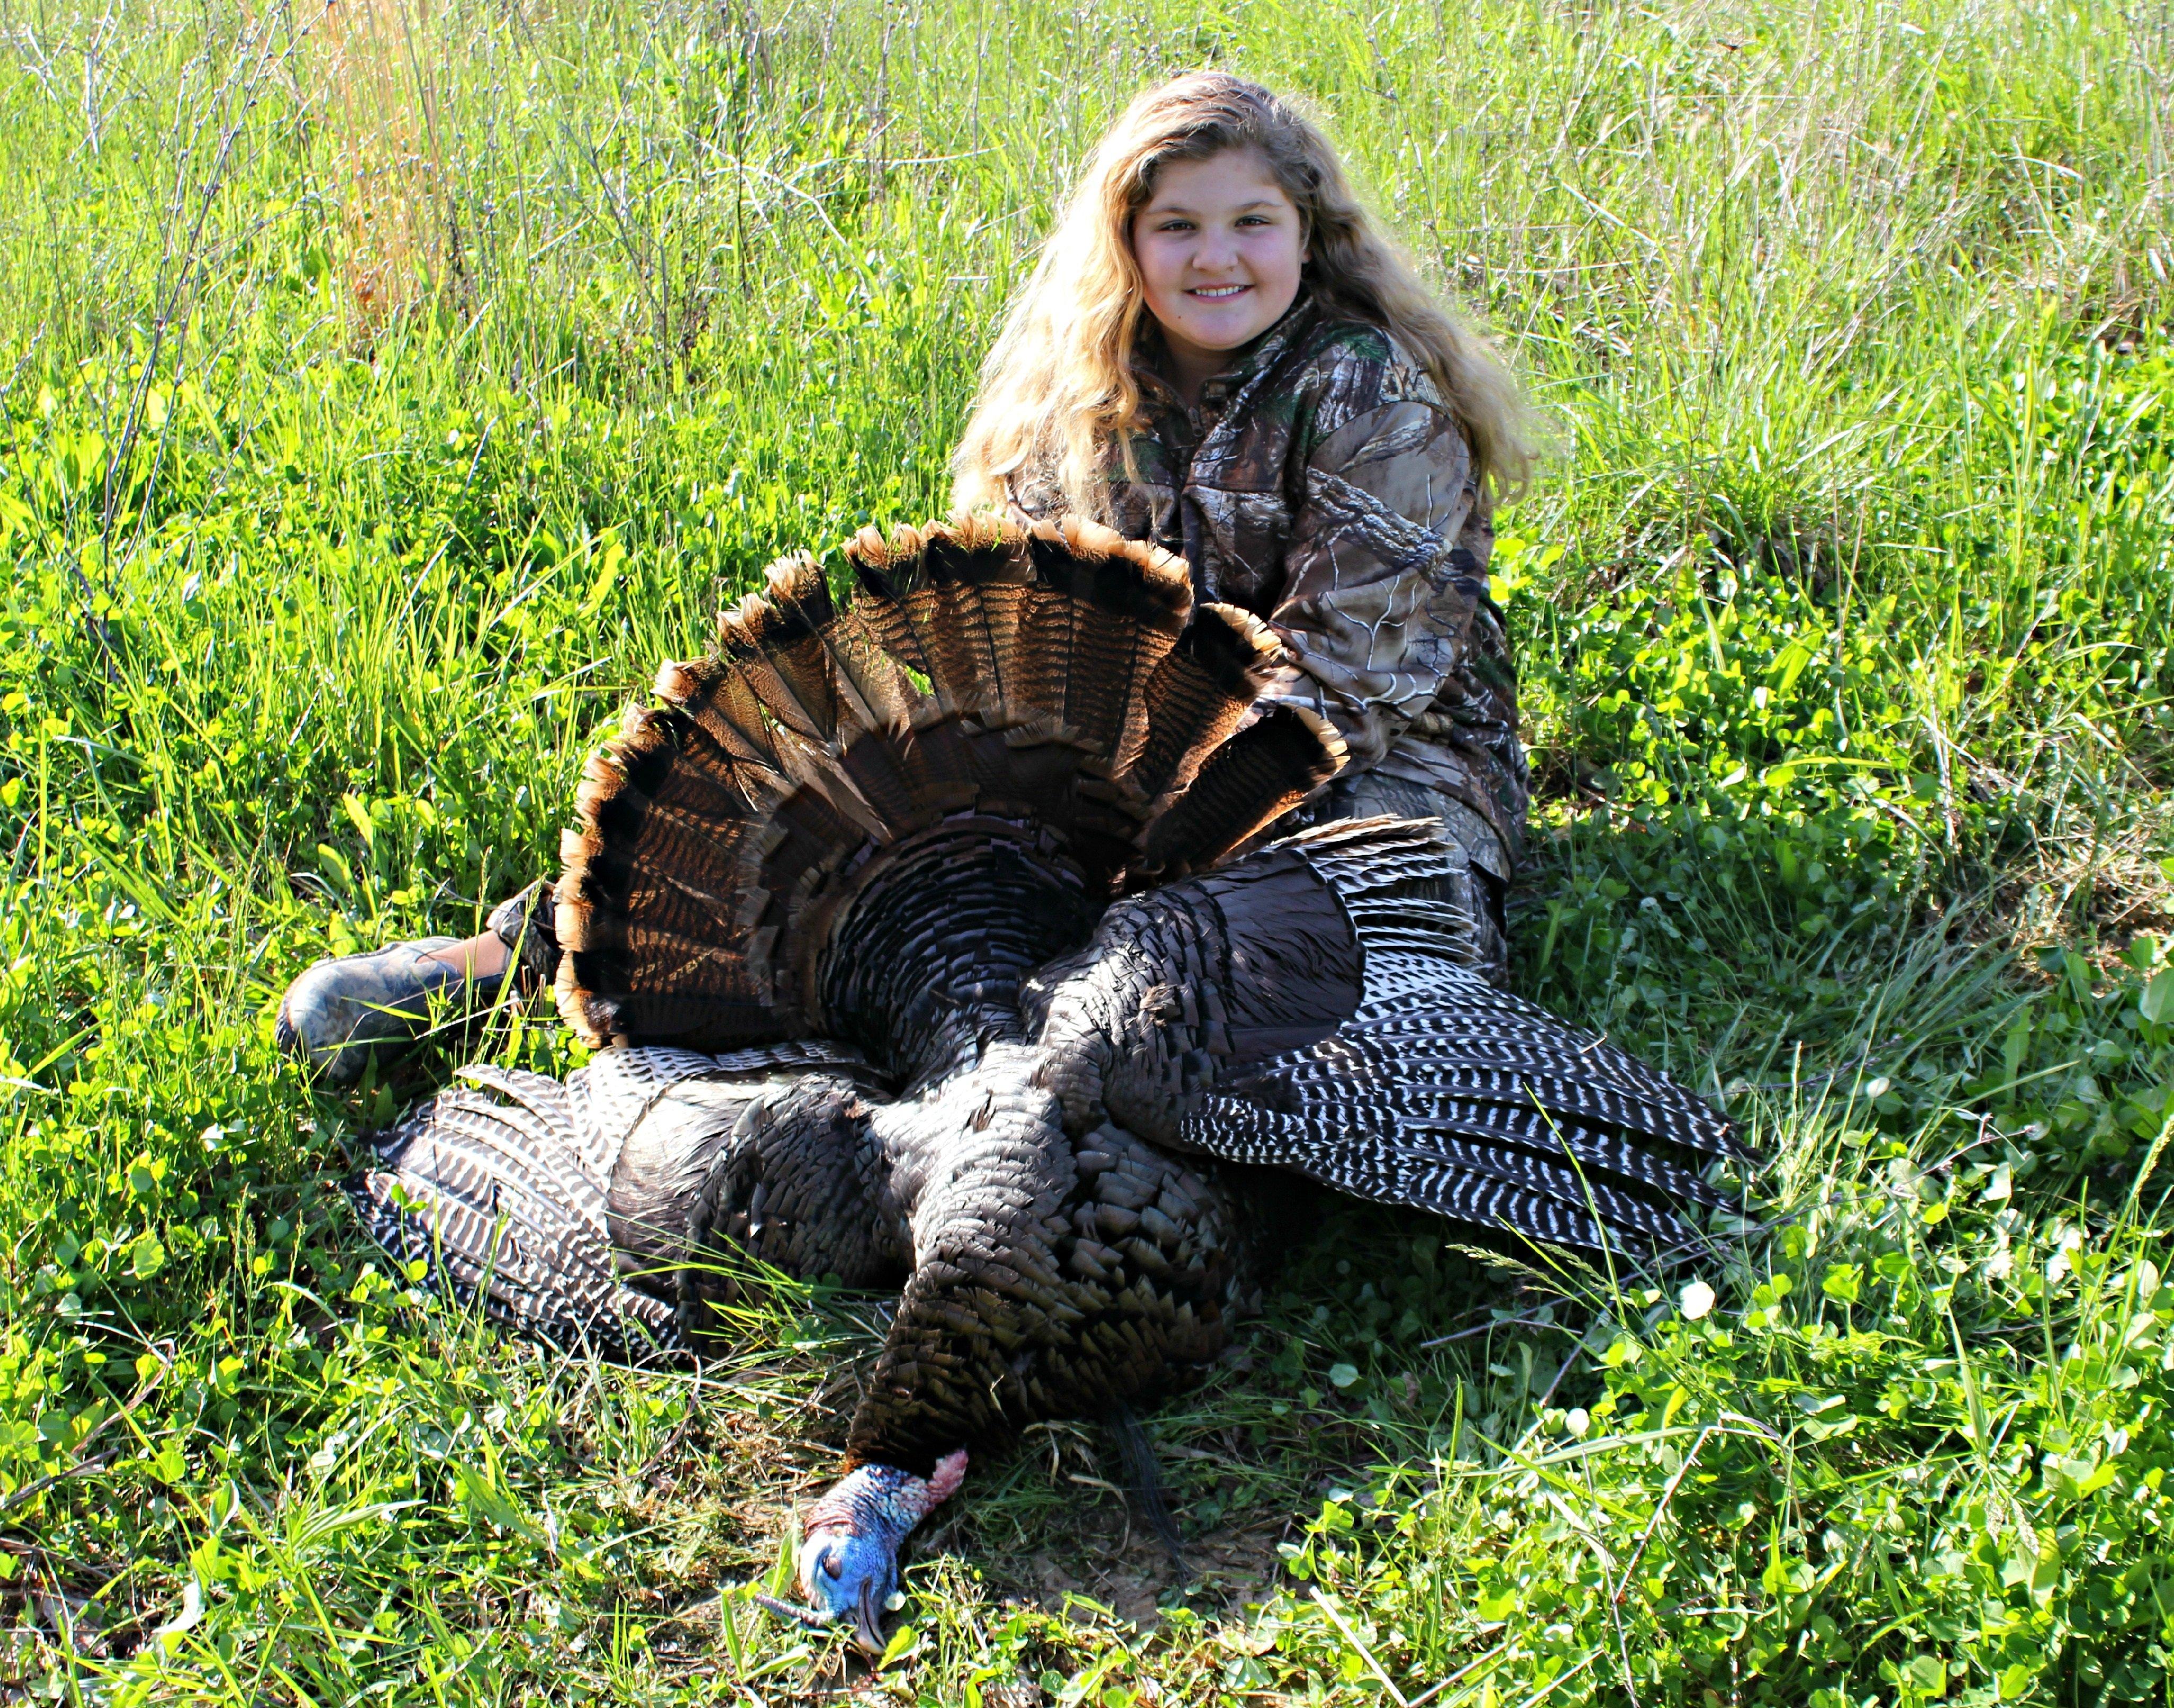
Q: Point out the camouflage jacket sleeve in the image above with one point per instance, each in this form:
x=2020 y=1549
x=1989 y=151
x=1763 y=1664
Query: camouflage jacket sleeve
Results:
x=1370 y=608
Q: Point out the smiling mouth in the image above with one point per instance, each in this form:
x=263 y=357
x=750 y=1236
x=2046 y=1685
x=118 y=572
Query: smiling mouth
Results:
x=1217 y=293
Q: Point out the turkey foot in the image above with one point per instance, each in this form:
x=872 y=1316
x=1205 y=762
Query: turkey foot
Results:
x=1143 y=1483
x=849 y=1545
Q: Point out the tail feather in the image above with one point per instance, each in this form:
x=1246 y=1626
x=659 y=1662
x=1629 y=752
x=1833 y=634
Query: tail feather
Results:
x=824 y=800
x=989 y=619
x=676 y=963
x=1055 y=689
x=696 y=811
x=1110 y=612
x=955 y=676
x=885 y=568
x=872 y=683
x=946 y=599
x=775 y=645
x=1196 y=696
x=972 y=551
x=1024 y=773
x=908 y=779
x=666 y=796
x=1246 y=784
x=650 y=904
x=719 y=699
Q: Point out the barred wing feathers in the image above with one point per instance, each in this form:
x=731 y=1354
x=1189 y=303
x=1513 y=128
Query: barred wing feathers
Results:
x=1440 y=1092
x=499 y=1198
x=502 y=1187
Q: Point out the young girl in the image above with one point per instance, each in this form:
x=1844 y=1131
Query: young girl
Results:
x=1219 y=351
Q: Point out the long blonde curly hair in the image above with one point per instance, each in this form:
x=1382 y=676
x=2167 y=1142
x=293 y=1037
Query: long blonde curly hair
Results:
x=1057 y=390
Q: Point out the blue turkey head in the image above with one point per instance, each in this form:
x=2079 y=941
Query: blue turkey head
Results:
x=849 y=1551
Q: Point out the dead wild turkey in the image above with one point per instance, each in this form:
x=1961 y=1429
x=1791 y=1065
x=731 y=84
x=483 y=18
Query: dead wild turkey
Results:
x=915 y=929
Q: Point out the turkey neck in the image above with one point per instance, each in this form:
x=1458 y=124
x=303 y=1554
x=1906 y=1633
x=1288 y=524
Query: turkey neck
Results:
x=924 y=967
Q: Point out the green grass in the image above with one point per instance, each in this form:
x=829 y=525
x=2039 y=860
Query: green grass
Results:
x=369 y=434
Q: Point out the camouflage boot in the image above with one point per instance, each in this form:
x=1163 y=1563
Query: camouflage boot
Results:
x=348 y=1012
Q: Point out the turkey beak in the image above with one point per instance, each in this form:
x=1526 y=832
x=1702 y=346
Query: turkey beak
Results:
x=868 y=1623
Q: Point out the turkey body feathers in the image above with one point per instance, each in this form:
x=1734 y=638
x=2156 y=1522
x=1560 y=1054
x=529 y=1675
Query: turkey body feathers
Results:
x=916 y=863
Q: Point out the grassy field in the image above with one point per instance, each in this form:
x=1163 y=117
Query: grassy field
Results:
x=383 y=390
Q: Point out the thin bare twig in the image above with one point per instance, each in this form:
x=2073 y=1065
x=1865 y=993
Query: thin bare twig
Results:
x=1489 y=1327
x=1653 y=1523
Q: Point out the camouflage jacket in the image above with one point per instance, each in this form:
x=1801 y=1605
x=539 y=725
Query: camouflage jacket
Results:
x=1322 y=485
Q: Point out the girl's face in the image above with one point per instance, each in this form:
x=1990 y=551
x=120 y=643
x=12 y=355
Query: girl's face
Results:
x=1219 y=247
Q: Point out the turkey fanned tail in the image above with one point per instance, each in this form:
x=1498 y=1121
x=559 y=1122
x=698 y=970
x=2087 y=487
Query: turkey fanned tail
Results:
x=1445 y=1094
x=1074 y=725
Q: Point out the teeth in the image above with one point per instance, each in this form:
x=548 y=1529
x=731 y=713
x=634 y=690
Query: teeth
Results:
x=1218 y=291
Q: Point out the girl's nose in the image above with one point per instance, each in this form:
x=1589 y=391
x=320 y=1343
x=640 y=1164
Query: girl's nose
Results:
x=1217 y=252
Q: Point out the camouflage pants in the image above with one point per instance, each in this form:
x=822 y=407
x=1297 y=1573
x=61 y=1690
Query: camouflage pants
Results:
x=524 y=924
